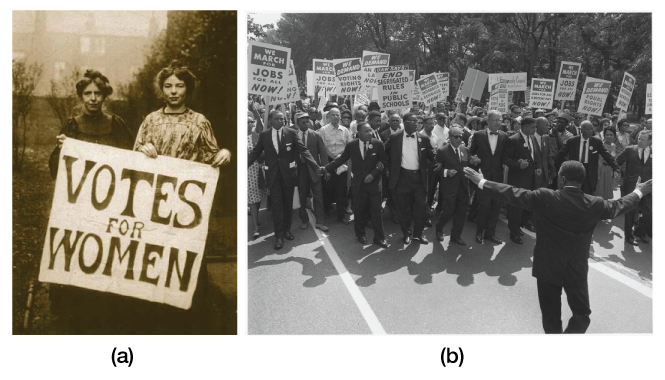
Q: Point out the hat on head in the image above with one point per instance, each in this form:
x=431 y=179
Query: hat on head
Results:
x=373 y=105
x=565 y=116
x=330 y=105
x=539 y=110
x=301 y=114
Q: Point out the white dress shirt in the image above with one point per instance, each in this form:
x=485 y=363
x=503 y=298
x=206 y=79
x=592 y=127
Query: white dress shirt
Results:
x=586 y=157
x=493 y=139
x=274 y=137
x=410 y=152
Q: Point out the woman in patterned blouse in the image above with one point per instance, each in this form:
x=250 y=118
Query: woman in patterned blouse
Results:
x=176 y=130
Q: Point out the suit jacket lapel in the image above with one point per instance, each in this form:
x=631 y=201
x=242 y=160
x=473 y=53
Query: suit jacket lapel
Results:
x=400 y=141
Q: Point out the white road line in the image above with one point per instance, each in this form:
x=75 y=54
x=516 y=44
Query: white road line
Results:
x=366 y=311
x=610 y=272
x=635 y=285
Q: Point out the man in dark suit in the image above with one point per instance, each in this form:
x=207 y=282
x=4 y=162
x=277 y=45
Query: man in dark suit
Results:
x=545 y=152
x=374 y=120
x=282 y=149
x=638 y=165
x=410 y=155
x=566 y=220
x=365 y=153
x=453 y=157
x=488 y=145
x=585 y=149
x=309 y=179
x=522 y=161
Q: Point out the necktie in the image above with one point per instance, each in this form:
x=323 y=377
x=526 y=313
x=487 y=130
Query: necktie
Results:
x=303 y=137
x=528 y=141
x=584 y=152
x=411 y=135
x=279 y=139
x=457 y=155
x=364 y=150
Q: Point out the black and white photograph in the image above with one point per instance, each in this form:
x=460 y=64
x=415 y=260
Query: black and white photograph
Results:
x=449 y=173
x=124 y=191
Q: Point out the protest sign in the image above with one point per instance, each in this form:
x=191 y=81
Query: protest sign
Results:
x=291 y=85
x=474 y=83
x=417 y=98
x=394 y=87
x=430 y=90
x=128 y=224
x=310 y=82
x=566 y=86
x=513 y=81
x=594 y=94
x=322 y=98
x=648 y=108
x=542 y=93
x=324 y=75
x=348 y=74
x=359 y=100
x=499 y=97
x=527 y=95
x=370 y=61
x=625 y=92
x=268 y=68
x=444 y=83
x=459 y=97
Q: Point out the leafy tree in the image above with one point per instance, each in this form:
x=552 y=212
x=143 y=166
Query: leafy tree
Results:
x=256 y=31
x=24 y=80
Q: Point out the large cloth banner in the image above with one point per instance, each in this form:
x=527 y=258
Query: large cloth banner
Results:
x=625 y=92
x=370 y=61
x=128 y=224
x=566 y=87
x=444 y=83
x=474 y=83
x=324 y=75
x=542 y=93
x=348 y=74
x=593 y=96
x=268 y=69
x=648 y=108
x=291 y=85
x=430 y=90
x=394 y=87
x=499 y=97
x=513 y=81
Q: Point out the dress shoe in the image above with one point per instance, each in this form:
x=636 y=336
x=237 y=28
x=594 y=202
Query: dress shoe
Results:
x=439 y=235
x=407 y=240
x=631 y=241
x=382 y=243
x=458 y=241
x=421 y=239
x=344 y=221
x=288 y=235
x=428 y=222
x=279 y=244
x=303 y=226
x=530 y=227
x=322 y=227
x=516 y=239
x=644 y=239
x=348 y=210
x=520 y=232
x=362 y=240
x=479 y=239
x=494 y=239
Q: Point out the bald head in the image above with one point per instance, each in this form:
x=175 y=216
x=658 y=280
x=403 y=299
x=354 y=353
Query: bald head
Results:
x=587 y=129
x=542 y=126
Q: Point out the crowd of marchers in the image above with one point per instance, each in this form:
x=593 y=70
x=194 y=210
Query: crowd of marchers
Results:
x=411 y=163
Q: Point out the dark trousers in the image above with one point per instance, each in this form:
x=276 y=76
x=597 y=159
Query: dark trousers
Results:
x=388 y=195
x=454 y=206
x=549 y=297
x=305 y=185
x=432 y=180
x=362 y=200
x=334 y=192
x=644 y=224
x=488 y=215
x=410 y=198
x=587 y=188
x=517 y=218
x=281 y=196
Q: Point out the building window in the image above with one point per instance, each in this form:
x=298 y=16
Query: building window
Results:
x=59 y=71
x=85 y=44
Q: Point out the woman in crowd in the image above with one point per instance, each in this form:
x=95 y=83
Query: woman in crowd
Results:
x=622 y=136
x=177 y=131
x=255 y=188
x=88 y=310
x=607 y=180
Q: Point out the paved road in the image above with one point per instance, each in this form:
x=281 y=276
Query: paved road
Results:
x=331 y=284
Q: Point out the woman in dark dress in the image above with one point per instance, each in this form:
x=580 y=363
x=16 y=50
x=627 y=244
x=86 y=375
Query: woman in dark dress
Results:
x=82 y=310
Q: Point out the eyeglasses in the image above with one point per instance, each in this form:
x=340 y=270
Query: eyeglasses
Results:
x=456 y=136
